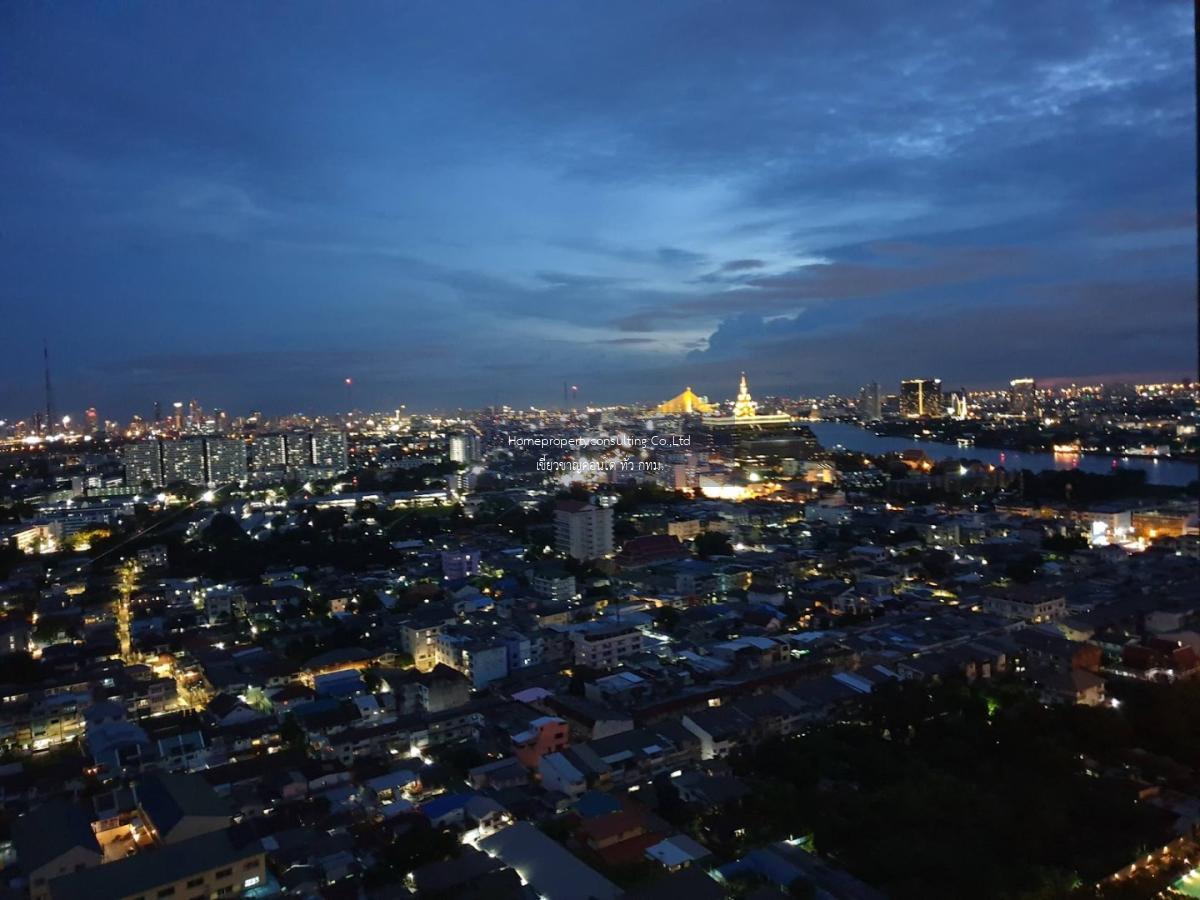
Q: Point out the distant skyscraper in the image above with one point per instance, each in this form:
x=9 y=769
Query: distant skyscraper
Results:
x=178 y=415
x=921 y=398
x=464 y=447
x=91 y=420
x=870 y=402
x=1022 y=398
x=157 y=412
x=958 y=404
x=50 y=421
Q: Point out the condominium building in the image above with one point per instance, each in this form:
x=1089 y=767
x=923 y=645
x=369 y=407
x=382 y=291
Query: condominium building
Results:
x=582 y=530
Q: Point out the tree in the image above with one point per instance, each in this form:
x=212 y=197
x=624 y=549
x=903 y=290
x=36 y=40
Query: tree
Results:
x=292 y=734
x=666 y=619
x=421 y=844
x=223 y=529
x=712 y=543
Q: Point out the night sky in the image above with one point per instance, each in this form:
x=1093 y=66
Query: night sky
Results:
x=458 y=204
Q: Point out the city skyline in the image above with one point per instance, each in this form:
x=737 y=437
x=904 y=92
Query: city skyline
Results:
x=462 y=207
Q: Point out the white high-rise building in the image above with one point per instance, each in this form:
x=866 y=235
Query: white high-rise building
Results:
x=143 y=464
x=330 y=450
x=299 y=450
x=870 y=403
x=464 y=447
x=582 y=530
x=183 y=460
x=225 y=460
x=270 y=452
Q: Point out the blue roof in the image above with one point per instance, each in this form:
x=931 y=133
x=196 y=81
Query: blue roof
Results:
x=763 y=861
x=316 y=707
x=447 y=803
x=343 y=683
x=594 y=803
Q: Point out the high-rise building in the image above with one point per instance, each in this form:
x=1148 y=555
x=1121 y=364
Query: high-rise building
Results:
x=299 y=450
x=870 y=402
x=183 y=460
x=1022 y=398
x=178 y=421
x=330 y=450
x=224 y=460
x=582 y=530
x=91 y=420
x=958 y=404
x=270 y=452
x=143 y=464
x=302 y=450
x=921 y=398
x=464 y=447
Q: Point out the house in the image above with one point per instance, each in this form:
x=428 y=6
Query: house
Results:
x=178 y=806
x=720 y=730
x=1074 y=686
x=546 y=734
x=225 y=709
x=549 y=868
x=551 y=580
x=447 y=809
x=499 y=774
x=602 y=645
x=650 y=549
x=1031 y=603
x=218 y=863
x=677 y=852
x=53 y=840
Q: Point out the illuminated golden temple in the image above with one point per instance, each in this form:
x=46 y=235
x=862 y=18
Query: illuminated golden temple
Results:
x=685 y=404
x=746 y=414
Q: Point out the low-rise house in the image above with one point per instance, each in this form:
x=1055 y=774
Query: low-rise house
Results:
x=54 y=840
x=1031 y=603
x=545 y=734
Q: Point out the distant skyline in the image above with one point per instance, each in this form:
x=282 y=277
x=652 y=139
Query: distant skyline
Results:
x=463 y=203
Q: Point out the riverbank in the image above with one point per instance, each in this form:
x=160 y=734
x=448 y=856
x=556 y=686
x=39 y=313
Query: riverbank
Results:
x=1159 y=471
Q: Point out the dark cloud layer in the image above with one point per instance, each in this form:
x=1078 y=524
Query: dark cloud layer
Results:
x=469 y=202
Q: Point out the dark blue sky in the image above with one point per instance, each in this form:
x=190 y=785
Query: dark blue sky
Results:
x=457 y=203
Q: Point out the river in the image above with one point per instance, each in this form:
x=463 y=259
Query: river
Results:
x=1177 y=473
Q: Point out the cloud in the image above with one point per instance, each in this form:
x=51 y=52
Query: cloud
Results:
x=674 y=256
x=975 y=346
x=569 y=279
x=624 y=192
x=872 y=270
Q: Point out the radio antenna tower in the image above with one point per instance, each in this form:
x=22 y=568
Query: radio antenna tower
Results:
x=49 y=389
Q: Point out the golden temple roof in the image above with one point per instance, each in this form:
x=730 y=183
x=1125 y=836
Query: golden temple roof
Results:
x=684 y=404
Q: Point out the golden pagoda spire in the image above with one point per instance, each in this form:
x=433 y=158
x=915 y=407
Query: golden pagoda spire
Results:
x=744 y=407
